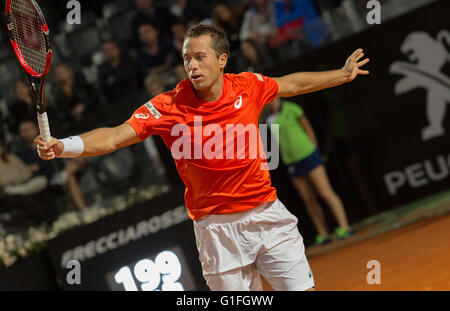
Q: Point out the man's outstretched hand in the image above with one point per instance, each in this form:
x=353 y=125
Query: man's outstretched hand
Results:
x=353 y=65
x=49 y=150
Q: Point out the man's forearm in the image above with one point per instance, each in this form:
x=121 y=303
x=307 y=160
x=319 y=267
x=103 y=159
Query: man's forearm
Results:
x=98 y=142
x=93 y=143
x=308 y=82
x=108 y=139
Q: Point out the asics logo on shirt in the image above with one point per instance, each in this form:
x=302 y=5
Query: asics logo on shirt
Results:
x=144 y=116
x=238 y=102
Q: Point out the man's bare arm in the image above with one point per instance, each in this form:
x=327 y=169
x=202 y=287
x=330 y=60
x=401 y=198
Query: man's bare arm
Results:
x=96 y=142
x=308 y=82
x=107 y=140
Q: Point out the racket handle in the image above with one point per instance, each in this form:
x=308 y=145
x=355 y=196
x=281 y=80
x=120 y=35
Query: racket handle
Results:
x=44 y=128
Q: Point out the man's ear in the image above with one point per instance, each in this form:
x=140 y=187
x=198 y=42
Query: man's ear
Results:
x=223 y=60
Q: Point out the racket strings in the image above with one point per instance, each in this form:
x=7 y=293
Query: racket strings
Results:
x=29 y=35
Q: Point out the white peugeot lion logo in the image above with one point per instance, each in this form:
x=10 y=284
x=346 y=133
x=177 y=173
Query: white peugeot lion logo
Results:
x=428 y=56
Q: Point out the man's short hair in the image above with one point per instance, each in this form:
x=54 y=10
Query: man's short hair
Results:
x=219 y=40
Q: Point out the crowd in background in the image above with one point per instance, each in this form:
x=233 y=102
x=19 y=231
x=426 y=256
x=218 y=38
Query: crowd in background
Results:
x=136 y=56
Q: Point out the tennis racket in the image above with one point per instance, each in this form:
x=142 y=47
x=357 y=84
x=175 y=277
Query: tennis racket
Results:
x=29 y=36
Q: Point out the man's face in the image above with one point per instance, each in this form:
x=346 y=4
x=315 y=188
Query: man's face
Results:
x=143 y=5
x=62 y=74
x=260 y=3
x=247 y=50
x=178 y=31
x=21 y=90
x=148 y=34
x=222 y=12
x=111 y=51
x=155 y=89
x=28 y=131
x=201 y=62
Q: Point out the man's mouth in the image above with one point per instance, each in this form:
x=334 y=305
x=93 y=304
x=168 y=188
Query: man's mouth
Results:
x=196 y=77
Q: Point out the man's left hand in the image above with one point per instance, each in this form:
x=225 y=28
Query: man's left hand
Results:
x=353 y=65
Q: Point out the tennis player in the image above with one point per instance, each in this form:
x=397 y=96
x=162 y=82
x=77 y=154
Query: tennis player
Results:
x=242 y=230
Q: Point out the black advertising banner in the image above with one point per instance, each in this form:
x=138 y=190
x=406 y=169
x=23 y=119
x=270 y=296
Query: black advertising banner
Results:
x=147 y=247
x=28 y=274
x=390 y=131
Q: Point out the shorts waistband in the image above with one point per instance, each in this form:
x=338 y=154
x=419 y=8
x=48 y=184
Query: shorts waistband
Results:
x=231 y=217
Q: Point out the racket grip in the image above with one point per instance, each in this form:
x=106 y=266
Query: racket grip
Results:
x=44 y=127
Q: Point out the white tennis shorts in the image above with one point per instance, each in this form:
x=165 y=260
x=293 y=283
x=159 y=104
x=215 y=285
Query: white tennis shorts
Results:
x=235 y=249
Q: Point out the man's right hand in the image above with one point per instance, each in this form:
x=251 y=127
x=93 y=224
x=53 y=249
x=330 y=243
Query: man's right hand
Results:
x=48 y=150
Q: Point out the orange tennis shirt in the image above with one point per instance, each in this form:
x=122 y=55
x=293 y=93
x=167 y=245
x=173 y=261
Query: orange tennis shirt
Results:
x=214 y=143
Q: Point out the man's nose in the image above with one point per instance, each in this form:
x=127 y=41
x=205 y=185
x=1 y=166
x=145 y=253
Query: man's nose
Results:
x=193 y=64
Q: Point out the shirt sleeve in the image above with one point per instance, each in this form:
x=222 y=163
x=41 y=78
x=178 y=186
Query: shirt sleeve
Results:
x=265 y=88
x=148 y=120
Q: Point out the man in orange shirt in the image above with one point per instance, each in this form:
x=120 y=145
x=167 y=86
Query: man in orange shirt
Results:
x=242 y=230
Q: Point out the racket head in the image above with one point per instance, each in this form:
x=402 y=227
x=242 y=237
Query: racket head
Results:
x=29 y=36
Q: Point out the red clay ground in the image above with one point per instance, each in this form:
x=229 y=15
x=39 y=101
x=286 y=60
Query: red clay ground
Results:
x=414 y=257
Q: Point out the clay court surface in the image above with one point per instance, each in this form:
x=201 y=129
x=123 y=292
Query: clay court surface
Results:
x=414 y=257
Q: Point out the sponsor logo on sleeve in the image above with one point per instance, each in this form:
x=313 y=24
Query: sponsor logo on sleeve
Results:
x=260 y=78
x=153 y=110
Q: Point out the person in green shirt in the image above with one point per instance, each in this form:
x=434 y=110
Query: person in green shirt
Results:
x=299 y=151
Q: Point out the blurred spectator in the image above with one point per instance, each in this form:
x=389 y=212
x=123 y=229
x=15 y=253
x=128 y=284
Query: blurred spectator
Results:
x=297 y=17
x=22 y=106
x=150 y=12
x=66 y=178
x=180 y=73
x=26 y=150
x=259 y=22
x=20 y=191
x=118 y=77
x=299 y=150
x=254 y=58
x=156 y=55
x=230 y=20
x=154 y=85
x=23 y=190
x=178 y=30
x=75 y=101
x=190 y=9
x=14 y=171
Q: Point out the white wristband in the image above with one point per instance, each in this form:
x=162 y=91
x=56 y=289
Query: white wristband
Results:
x=73 y=147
